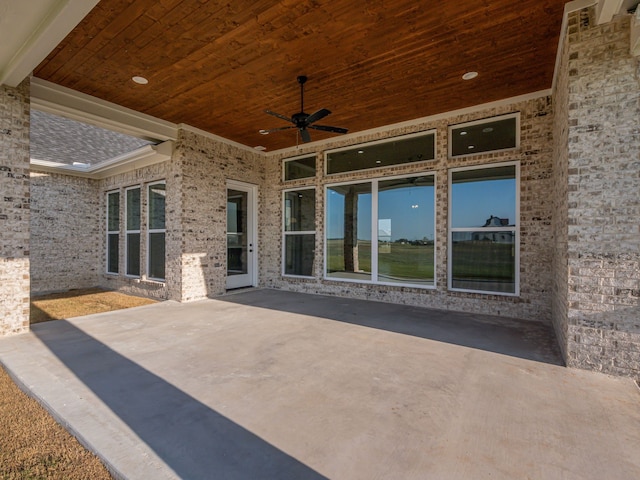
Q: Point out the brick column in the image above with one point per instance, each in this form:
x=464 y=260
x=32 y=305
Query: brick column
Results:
x=14 y=209
x=599 y=323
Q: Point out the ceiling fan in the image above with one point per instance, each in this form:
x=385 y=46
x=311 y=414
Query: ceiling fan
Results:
x=302 y=121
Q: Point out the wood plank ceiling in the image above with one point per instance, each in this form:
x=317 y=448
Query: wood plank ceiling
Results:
x=218 y=65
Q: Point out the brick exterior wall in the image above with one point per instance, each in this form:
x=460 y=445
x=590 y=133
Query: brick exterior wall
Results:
x=535 y=157
x=201 y=167
x=602 y=317
x=14 y=209
x=65 y=221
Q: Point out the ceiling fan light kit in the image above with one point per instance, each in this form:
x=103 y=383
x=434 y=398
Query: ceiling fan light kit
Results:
x=303 y=121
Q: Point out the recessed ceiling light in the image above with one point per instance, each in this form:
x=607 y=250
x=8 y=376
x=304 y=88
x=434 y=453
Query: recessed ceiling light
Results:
x=471 y=147
x=487 y=130
x=263 y=132
x=260 y=148
x=360 y=151
x=378 y=161
x=140 y=80
x=463 y=133
x=469 y=75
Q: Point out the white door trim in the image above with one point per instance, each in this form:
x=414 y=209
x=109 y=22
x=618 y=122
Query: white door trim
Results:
x=252 y=223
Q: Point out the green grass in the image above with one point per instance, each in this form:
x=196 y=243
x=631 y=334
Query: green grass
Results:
x=395 y=260
x=473 y=260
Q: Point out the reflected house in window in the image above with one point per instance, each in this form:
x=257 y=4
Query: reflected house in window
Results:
x=490 y=235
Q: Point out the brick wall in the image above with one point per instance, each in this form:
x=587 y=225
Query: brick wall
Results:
x=201 y=167
x=14 y=209
x=535 y=157
x=65 y=225
x=603 y=199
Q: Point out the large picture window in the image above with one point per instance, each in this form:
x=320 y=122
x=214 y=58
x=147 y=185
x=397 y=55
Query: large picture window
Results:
x=484 y=214
x=299 y=232
x=156 y=232
x=113 y=231
x=133 y=231
x=382 y=231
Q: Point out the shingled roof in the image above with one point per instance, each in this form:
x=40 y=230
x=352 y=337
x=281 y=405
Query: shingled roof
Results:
x=62 y=140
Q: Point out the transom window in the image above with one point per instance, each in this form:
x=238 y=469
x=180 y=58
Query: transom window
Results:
x=382 y=231
x=483 y=233
x=486 y=135
x=384 y=153
x=299 y=167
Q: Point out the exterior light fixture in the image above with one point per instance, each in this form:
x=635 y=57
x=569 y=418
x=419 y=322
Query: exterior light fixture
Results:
x=140 y=80
x=469 y=75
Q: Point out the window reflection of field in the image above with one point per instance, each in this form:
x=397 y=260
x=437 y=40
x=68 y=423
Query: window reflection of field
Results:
x=397 y=262
x=484 y=265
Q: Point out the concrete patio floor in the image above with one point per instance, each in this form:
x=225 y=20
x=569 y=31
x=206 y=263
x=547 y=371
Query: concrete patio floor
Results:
x=277 y=385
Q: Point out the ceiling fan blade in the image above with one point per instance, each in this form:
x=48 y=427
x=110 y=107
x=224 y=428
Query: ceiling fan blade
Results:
x=326 y=128
x=315 y=116
x=271 y=130
x=283 y=117
x=306 y=138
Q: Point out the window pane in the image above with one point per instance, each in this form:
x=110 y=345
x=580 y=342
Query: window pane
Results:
x=484 y=260
x=156 y=206
x=406 y=230
x=156 y=255
x=133 y=254
x=394 y=152
x=484 y=197
x=113 y=252
x=300 y=210
x=133 y=209
x=113 y=209
x=300 y=168
x=483 y=137
x=349 y=231
x=299 y=254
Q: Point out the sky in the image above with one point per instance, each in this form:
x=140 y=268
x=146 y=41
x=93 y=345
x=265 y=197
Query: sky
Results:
x=411 y=209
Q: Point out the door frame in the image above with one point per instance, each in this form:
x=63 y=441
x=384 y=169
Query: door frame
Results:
x=252 y=226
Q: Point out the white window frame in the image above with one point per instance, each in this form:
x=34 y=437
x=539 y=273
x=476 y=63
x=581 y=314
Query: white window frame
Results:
x=112 y=232
x=374 y=233
x=515 y=229
x=299 y=157
x=424 y=133
x=450 y=128
x=127 y=231
x=286 y=233
x=155 y=230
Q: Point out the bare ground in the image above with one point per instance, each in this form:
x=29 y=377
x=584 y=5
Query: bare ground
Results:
x=32 y=445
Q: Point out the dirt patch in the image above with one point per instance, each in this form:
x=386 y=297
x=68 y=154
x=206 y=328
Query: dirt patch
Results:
x=76 y=303
x=34 y=446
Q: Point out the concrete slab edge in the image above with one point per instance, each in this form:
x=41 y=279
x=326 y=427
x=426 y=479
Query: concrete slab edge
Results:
x=115 y=473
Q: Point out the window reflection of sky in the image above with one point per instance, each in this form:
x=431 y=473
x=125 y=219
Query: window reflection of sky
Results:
x=473 y=203
x=410 y=210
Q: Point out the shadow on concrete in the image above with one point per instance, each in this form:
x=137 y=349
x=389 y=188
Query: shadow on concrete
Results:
x=191 y=438
x=507 y=336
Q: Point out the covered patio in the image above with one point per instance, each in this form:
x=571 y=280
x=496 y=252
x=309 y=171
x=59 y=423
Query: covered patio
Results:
x=273 y=384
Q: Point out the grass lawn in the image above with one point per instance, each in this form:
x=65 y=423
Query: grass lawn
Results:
x=76 y=303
